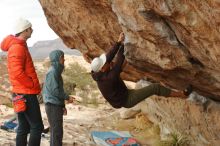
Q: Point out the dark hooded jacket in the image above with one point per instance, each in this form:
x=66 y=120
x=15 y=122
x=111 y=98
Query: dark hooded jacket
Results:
x=53 y=91
x=110 y=83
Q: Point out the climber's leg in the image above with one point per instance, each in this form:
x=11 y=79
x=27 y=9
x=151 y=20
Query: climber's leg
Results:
x=136 y=96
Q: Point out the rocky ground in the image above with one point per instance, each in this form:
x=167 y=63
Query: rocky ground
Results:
x=81 y=120
x=174 y=120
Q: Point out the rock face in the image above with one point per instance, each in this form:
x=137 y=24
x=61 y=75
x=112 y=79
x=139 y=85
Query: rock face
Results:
x=198 y=123
x=196 y=119
x=172 y=41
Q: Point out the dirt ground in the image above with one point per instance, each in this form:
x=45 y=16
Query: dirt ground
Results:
x=81 y=120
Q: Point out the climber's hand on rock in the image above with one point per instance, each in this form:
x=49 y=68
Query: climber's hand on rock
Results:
x=121 y=37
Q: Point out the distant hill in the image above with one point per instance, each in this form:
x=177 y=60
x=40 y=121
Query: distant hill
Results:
x=41 y=49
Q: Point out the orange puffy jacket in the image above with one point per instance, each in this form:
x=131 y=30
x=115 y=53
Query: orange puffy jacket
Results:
x=21 y=70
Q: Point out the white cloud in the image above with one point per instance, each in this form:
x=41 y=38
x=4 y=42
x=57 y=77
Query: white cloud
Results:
x=10 y=10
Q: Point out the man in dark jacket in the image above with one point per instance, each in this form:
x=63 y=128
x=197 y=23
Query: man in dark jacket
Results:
x=112 y=86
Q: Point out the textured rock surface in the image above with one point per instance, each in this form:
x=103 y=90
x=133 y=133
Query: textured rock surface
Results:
x=173 y=41
x=198 y=123
x=196 y=119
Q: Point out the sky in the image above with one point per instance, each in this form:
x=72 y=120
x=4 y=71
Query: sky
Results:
x=10 y=10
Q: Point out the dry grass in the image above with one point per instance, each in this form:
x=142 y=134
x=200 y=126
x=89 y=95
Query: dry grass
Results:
x=174 y=139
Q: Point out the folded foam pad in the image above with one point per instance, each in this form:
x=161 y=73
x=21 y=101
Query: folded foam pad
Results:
x=113 y=138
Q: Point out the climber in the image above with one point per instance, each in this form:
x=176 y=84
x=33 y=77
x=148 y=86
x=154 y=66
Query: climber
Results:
x=114 y=89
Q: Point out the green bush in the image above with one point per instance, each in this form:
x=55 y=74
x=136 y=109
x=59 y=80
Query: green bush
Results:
x=76 y=76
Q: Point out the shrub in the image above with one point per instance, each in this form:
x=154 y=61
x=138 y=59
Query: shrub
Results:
x=175 y=139
x=76 y=76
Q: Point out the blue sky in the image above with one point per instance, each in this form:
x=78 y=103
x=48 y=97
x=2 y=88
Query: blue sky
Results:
x=10 y=10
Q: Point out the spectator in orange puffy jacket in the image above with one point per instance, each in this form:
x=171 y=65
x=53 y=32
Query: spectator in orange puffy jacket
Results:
x=25 y=82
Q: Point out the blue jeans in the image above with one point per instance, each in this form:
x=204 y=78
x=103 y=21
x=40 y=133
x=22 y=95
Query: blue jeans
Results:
x=55 y=119
x=30 y=121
